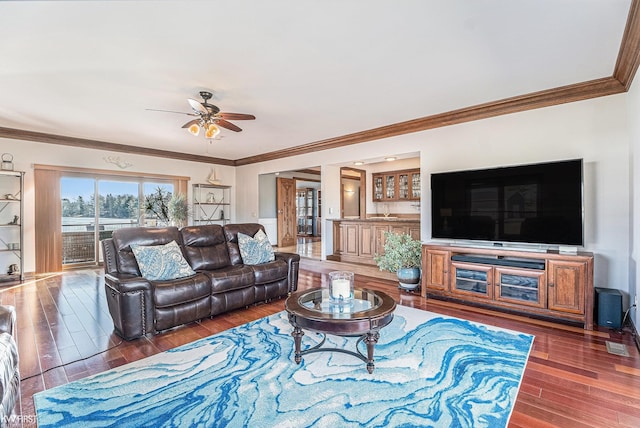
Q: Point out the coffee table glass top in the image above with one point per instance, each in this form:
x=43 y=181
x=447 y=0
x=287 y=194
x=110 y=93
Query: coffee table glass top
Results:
x=316 y=303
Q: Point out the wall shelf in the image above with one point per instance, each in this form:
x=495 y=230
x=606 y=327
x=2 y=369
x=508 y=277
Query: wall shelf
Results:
x=11 y=230
x=211 y=204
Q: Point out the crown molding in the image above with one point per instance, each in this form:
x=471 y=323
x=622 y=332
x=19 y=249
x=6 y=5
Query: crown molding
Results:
x=565 y=94
x=629 y=53
x=42 y=137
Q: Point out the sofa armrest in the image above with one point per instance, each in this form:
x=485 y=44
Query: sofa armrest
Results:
x=109 y=256
x=130 y=304
x=125 y=283
x=7 y=319
x=293 y=262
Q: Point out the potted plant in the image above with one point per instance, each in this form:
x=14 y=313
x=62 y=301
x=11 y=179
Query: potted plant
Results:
x=156 y=205
x=178 y=209
x=402 y=255
x=167 y=208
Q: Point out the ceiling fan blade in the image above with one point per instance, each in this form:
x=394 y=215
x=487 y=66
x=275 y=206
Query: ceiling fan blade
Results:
x=228 y=125
x=236 y=116
x=197 y=106
x=191 y=122
x=171 y=111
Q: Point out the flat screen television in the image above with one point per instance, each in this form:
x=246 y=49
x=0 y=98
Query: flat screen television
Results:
x=537 y=203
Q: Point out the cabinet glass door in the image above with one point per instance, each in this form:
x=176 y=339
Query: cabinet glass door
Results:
x=378 y=193
x=415 y=185
x=403 y=186
x=521 y=287
x=390 y=186
x=472 y=280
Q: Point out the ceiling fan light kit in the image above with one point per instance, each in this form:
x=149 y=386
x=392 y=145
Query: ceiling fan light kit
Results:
x=212 y=131
x=209 y=117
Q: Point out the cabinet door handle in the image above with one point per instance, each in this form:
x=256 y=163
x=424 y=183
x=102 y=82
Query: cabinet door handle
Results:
x=551 y=284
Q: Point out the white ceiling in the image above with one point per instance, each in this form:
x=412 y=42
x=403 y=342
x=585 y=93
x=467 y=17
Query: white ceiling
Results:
x=307 y=69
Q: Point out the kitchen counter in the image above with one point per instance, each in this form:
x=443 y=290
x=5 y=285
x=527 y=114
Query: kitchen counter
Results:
x=378 y=219
x=358 y=240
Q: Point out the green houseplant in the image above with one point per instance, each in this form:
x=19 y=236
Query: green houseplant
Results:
x=402 y=255
x=178 y=209
x=167 y=208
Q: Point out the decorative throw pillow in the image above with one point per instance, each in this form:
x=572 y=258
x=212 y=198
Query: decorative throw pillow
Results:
x=161 y=262
x=256 y=250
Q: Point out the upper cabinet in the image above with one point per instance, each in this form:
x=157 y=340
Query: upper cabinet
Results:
x=396 y=186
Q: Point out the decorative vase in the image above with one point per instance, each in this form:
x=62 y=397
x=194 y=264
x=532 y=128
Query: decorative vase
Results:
x=409 y=278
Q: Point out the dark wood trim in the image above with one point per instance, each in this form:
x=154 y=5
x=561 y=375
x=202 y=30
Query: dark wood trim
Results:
x=629 y=54
x=565 y=94
x=313 y=180
x=110 y=173
x=308 y=171
x=42 y=137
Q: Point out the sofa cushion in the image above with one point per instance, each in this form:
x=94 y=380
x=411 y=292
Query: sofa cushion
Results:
x=205 y=247
x=125 y=237
x=179 y=291
x=161 y=262
x=256 y=249
x=230 y=278
x=270 y=272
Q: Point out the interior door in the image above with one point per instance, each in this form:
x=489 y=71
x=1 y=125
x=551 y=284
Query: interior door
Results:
x=286 y=211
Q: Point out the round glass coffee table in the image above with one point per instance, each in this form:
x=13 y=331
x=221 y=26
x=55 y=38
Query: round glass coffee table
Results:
x=364 y=316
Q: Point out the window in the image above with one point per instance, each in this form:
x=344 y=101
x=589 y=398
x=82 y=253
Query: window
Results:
x=71 y=221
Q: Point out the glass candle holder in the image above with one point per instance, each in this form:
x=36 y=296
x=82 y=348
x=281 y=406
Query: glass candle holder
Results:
x=340 y=287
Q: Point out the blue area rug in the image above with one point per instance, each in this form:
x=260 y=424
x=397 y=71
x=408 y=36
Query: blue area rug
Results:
x=430 y=370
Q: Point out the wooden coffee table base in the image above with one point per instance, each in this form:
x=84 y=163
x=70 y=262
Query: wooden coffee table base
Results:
x=364 y=317
x=370 y=339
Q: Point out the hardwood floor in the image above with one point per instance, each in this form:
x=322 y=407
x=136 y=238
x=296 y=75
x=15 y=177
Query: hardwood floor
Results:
x=570 y=380
x=305 y=247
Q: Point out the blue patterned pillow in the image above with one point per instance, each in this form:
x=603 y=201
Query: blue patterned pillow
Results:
x=161 y=262
x=256 y=250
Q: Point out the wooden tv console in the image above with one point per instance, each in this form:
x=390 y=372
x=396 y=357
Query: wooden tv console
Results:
x=550 y=284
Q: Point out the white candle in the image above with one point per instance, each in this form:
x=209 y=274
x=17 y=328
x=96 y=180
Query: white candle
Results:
x=340 y=288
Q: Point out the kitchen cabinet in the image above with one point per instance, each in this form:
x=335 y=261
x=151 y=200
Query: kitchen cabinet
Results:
x=402 y=185
x=360 y=240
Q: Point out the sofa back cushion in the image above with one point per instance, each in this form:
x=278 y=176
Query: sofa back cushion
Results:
x=231 y=233
x=146 y=236
x=205 y=247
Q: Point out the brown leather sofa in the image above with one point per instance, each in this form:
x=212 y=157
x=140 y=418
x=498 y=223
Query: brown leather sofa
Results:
x=222 y=282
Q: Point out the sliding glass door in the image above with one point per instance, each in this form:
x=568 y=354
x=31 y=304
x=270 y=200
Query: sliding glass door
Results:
x=78 y=219
x=120 y=203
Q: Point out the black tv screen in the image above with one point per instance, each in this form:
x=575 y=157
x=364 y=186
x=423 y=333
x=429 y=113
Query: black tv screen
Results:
x=538 y=203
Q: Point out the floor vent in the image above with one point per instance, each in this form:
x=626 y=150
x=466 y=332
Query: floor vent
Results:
x=617 y=349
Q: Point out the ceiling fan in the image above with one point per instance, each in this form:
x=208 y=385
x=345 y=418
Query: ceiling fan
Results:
x=209 y=117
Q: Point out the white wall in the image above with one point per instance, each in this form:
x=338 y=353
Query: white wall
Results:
x=634 y=159
x=595 y=130
x=25 y=154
